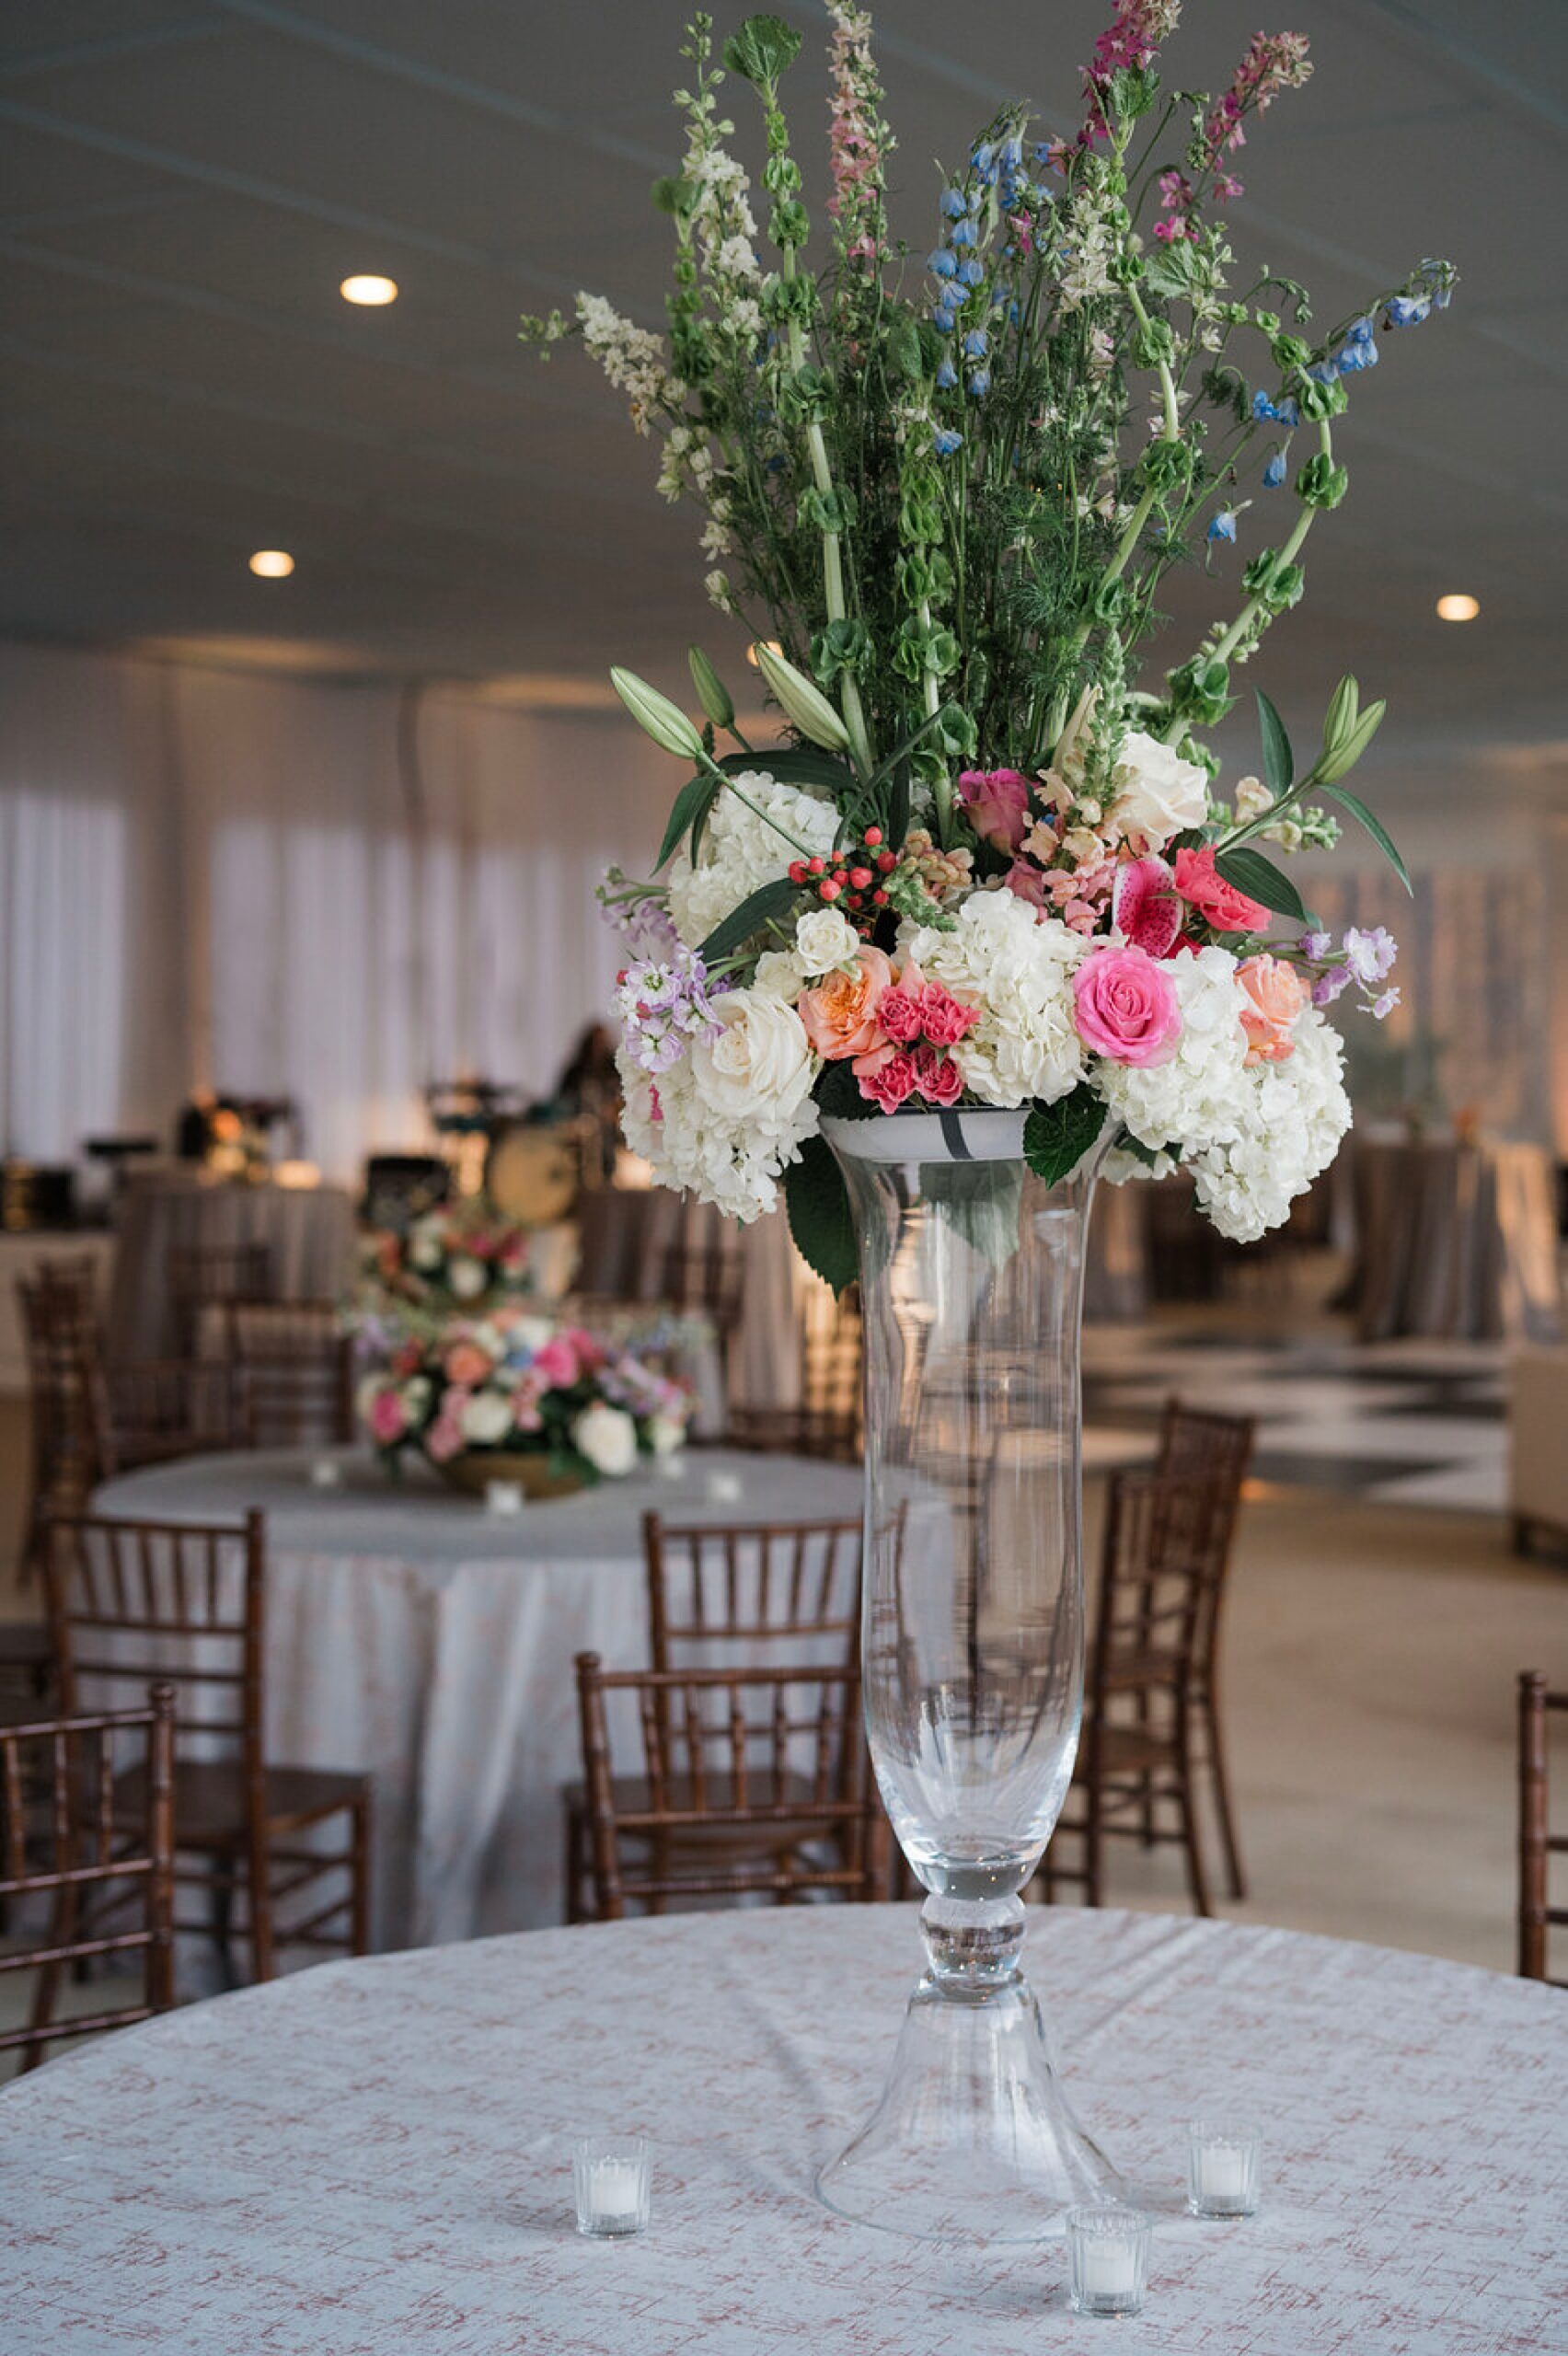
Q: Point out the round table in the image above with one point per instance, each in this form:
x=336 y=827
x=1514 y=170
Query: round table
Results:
x=413 y=1635
x=374 y=2157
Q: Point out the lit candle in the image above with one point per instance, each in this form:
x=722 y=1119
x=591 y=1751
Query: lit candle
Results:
x=610 y=2179
x=1222 y=2174
x=1223 y=2157
x=503 y=1499
x=1108 y=2271
x=1107 y=2260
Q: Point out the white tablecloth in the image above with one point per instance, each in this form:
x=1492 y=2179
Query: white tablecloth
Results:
x=372 y=2159
x=409 y=1635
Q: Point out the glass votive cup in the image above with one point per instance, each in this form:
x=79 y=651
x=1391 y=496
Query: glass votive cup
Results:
x=1107 y=2260
x=503 y=1499
x=1224 y=2166
x=724 y=1487
x=611 y=2176
x=326 y=1472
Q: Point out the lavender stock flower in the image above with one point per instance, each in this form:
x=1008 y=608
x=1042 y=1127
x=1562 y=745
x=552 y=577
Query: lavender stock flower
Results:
x=665 y=1008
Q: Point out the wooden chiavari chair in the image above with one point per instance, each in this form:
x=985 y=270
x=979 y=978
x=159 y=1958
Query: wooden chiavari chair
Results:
x=720 y=1597
x=828 y=1420
x=296 y=1371
x=130 y=1600
x=753 y=1782
x=1155 y=1604
x=210 y=1275
x=1538 y=1843
x=706 y=1274
x=92 y=1827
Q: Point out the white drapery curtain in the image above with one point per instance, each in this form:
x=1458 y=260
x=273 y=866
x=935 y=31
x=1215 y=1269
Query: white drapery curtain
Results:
x=280 y=887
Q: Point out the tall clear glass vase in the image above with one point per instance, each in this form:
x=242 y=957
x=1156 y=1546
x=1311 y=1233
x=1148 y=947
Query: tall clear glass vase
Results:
x=971 y=1279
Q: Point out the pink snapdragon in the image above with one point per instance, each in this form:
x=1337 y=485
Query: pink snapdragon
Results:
x=856 y=136
x=1274 y=61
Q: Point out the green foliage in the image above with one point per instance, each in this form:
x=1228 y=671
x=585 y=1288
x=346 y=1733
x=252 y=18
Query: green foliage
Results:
x=758 y=908
x=763 y=49
x=817 y=1204
x=1261 y=880
x=1056 y=1136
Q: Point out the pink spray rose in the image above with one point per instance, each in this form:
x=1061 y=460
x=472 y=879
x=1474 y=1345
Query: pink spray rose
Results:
x=1227 y=909
x=901 y=1012
x=1125 y=1007
x=946 y=1020
x=556 y=1364
x=388 y=1418
x=937 y=1078
x=997 y=804
x=1145 y=907
x=891 y=1082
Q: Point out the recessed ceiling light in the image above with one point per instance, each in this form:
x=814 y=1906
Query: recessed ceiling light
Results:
x=370 y=291
x=1457 y=607
x=272 y=564
x=772 y=646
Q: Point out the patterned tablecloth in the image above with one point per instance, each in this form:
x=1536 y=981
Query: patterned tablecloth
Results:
x=410 y=1634
x=374 y=2157
x=308 y=1232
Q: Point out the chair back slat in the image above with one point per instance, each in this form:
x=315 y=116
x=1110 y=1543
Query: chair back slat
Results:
x=730 y=1593
x=296 y=1371
x=752 y=1781
x=1538 y=1843
x=207 y=1276
x=88 y=1814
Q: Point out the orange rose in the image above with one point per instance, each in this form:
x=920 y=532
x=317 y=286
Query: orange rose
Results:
x=467 y=1365
x=1273 y=994
x=840 y=1014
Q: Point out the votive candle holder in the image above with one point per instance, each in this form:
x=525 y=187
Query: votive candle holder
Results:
x=1107 y=2260
x=1224 y=2166
x=611 y=2177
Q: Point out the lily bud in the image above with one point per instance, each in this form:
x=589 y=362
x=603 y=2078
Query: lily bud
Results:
x=663 y=721
x=1342 y=714
x=1345 y=755
x=711 y=692
x=801 y=701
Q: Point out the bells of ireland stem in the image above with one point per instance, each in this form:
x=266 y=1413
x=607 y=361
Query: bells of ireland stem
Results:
x=711 y=692
x=801 y=702
x=662 y=720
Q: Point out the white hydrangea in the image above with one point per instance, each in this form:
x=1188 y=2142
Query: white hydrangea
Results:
x=1018 y=971
x=1291 y=1116
x=1194 y=1100
x=742 y=850
x=726 y=1122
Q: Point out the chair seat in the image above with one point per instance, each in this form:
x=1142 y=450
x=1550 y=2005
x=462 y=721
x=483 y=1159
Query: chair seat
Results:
x=209 y=1800
x=1131 y=1749
x=633 y=1795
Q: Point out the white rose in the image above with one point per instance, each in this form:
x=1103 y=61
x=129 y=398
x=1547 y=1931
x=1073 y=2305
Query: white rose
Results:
x=779 y=974
x=1155 y=793
x=666 y=1436
x=467 y=1277
x=824 y=940
x=608 y=1438
x=486 y=1417
x=760 y=1066
x=416 y=1395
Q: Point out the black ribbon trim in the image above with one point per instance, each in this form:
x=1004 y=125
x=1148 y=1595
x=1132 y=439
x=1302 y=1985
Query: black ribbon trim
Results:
x=952 y=1134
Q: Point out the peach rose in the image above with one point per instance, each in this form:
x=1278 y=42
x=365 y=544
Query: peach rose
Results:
x=466 y=1364
x=840 y=1014
x=1273 y=994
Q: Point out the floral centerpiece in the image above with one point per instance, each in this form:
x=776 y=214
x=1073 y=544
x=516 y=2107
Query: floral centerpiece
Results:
x=513 y=1396
x=946 y=486
x=457 y=1255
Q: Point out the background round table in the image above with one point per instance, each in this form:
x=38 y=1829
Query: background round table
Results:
x=308 y=1232
x=413 y=1635
x=372 y=2158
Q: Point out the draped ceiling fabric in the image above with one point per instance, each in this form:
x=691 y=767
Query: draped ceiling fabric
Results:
x=274 y=886
x=340 y=893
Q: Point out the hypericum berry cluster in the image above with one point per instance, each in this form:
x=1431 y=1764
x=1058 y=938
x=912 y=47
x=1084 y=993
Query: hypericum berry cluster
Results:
x=852 y=878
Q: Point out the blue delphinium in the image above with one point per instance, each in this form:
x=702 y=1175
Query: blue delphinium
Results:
x=964 y=233
x=1407 y=310
x=1286 y=413
x=953 y=203
x=946 y=377
x=979 y=382
x=972 y=271
x=942 y=264
x=943 y=319
x=976 y=344
x=1223 y=526
x=1275 y=471
x=944 y=441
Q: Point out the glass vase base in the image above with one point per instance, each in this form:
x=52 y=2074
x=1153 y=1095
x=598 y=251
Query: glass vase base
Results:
x=974 y=2140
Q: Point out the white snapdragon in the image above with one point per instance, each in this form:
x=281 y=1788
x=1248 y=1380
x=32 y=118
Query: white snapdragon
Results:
x=1019 y=973
x=742 y=850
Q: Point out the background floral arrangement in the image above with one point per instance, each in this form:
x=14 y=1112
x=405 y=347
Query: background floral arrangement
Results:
x=990 y=868
x=457 y=1255
x=515 y=1383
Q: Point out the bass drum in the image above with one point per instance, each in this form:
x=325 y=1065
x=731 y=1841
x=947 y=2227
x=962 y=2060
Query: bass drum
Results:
x=533 y=1172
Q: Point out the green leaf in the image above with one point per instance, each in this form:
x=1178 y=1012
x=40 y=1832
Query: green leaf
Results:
x=768 y=900
x=1375 y=828
x=898 y=807
x=1056 y=1136
x=761 y=49
x=694 y=800
x=902 y=752
x=1261 y=880
x=838 y=1093
x=791 y=765
x=1279 y=764
x=818 y=1206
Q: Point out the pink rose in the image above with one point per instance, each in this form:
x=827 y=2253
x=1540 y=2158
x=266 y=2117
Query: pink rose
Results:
x=946 y=1019
x=901 y=1008
x=891 y=1082
x=555 y=1364
x=466 y=1364
x=1145 y=907
x=997 y=804
x=388 y=1418
x=841 y=1014
x=1125 y=1007
x=937 y=1078
x=1227 y=909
